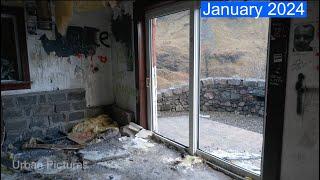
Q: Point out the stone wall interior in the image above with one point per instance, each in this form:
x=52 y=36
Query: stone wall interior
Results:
x=47 y=113
x=42 y=113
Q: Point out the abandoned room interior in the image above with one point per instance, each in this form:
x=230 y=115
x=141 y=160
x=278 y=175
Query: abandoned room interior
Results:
x=139 y=89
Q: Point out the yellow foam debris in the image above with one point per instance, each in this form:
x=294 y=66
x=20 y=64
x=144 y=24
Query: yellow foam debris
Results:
x=95 y=125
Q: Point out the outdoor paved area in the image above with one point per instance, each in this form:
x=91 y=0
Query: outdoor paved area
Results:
x=234 y=138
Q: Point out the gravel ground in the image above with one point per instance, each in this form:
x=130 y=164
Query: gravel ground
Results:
x=251 y=123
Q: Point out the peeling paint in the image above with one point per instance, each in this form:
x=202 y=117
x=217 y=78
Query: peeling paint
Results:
x=49 y=72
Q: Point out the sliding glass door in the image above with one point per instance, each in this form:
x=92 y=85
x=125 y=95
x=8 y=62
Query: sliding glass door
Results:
x=169 y=72
x=232 y=77
x=207 y=84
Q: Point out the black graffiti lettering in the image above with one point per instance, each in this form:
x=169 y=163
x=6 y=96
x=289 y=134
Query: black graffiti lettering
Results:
x=90 y=35
x=75 y=39
x=78 y=40
x=103 y=37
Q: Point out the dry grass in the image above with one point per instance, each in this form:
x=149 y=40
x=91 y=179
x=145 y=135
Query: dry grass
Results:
x=166 y=78
x=229 y=48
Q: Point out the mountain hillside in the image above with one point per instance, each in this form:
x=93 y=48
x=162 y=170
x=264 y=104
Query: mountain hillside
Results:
x=229 y=48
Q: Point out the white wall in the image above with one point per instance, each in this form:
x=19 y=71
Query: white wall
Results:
x=300 y=153
x=123 y=81
x=50 y=72
x=111 y=84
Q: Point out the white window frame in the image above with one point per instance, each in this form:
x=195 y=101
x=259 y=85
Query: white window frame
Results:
x=194 y=69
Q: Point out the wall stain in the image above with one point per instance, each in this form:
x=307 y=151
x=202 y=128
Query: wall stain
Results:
x=78 y=40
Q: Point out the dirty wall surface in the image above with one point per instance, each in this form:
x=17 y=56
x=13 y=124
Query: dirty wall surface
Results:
x=123 y=70
x=87 y=58
x=101 y=68
x=300 y=151
x=51 y=72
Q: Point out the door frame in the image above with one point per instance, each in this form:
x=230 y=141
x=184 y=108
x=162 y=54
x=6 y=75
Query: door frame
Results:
x=151 y=73
x=272 y=137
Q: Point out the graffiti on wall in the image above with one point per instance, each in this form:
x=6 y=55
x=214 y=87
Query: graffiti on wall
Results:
x=81 y=42
x=77 y=41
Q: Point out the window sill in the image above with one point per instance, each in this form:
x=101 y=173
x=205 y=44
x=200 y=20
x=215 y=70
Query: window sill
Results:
x=15 y=85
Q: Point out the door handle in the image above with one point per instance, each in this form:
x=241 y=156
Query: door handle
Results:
x=301 y=89
x=148 y=82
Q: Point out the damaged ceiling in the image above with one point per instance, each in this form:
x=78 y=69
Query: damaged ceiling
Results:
x=64 y=10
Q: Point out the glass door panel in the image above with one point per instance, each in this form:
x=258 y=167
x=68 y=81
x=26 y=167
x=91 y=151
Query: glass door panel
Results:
x=169 y=40
x=232 y=89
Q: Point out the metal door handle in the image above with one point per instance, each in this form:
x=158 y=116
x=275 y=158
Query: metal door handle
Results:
x=148 y=82
x=300 y=90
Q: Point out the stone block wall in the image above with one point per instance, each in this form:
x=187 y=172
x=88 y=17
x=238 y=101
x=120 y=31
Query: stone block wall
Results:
x=241 y=96
x=46 y=113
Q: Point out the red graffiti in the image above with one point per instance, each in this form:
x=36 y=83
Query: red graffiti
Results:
x=79 y=56
x=103 y=59
x=93 y=66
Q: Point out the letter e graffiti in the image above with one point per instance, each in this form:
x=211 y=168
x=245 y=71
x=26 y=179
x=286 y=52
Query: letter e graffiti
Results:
x=103 y=37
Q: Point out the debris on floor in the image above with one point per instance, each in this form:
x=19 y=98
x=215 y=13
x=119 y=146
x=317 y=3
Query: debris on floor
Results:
x=189 y=161
x=104 y=151
x=234 y=155
x=36 y=143
x=136 y=143
x=95 y=149
x=6 y=170
x=86 y=131
x=145 y=134
x=135 y=127
x=95 y=125
x=33 y=140
x=52 y=146
x=131 y=129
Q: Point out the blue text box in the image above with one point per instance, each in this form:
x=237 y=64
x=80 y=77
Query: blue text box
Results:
x=254 y=9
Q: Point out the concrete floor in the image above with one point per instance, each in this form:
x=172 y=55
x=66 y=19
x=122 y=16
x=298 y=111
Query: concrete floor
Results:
x=233 y=144
x=125 y=158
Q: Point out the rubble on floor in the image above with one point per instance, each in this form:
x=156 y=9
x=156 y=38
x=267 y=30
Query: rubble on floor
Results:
x=136 y=143
x=143 y=133
x=103 y=151
x=109 y=155
x=188 y=161
x=130 y=129
x=87 y=130
x=36 y=143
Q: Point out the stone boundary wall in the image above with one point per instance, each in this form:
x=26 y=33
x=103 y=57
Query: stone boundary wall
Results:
x=242 y=96
x=44 y=114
